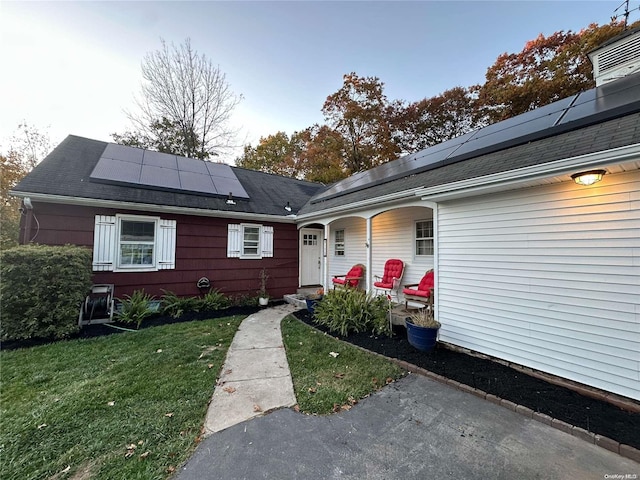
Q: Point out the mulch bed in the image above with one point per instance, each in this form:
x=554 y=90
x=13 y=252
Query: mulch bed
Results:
x=556 y=401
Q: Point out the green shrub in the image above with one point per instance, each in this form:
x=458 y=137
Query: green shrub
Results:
x=351 y=310
x=176 y=306
x=214 y=300
x=42 y=289
x=135 y=308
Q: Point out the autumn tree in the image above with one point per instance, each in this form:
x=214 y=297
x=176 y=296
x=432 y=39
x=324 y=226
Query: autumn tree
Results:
x=185 y=105
x=437 y=119
x=273 y=154
x=547 y=69
x=26 y=148
x=320 y=153
x=359 y=112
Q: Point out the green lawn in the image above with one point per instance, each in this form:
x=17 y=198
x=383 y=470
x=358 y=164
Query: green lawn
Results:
x=131 y=405
x=325 y=382
x=126 y=406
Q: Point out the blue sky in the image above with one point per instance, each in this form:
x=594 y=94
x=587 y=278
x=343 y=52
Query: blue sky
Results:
x=74 y=67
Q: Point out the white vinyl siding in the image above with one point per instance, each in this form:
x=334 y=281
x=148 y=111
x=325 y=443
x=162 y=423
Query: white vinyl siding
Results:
x=249 y=241
x=354 y=244
x=547 y=277
x=394 y=237
x=127 y=248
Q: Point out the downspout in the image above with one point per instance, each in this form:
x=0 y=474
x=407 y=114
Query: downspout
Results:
x=27 y=211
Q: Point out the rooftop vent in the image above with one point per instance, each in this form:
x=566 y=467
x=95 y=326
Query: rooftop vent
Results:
x=617 y=58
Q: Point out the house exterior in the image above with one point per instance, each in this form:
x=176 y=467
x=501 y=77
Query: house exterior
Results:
x=164 y=237
x=530 y=267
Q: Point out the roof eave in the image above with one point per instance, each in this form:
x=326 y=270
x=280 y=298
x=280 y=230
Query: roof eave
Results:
x=514 y=178
x=202 y=212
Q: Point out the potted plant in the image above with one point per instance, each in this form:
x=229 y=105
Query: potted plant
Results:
x=422 y=329
x=313 y=298
x=263 y=296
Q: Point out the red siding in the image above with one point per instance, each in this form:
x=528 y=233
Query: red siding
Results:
x=201 y=251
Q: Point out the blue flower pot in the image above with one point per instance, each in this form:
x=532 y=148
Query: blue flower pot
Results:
x=422 y=338
x=311 y=304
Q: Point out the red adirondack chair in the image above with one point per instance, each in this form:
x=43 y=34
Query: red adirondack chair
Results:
x=390 y=280
x=420 y=292
x=351 y=279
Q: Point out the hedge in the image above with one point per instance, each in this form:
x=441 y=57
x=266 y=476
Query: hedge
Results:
x=41 y=290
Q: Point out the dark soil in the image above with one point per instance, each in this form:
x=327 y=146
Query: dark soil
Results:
x=559 y=402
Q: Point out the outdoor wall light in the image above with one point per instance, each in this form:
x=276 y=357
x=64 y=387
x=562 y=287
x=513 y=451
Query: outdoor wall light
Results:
x=287 y=207
x=588 y=178
x=230 y=200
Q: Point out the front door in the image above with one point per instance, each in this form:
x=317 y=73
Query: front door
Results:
x=310 y=257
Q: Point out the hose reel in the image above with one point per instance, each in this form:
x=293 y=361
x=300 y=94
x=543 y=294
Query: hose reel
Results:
x=97 y=306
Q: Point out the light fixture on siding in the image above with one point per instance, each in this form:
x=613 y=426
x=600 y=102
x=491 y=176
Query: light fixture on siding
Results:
x=230 y=200
x=287 y=207
x=588 y=178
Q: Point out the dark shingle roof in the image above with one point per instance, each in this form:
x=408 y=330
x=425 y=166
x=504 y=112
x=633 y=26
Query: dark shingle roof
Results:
x=66 y=170
x=614 y=133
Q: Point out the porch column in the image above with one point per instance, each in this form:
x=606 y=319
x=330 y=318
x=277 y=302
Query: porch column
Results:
x=325 y=257
x=369 y=276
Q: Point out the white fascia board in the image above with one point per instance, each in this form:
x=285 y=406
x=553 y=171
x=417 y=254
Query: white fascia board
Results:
x=512 y=178
x=380 y=202
x=115 y=204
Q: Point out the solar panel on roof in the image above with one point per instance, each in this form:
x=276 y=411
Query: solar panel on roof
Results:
x=159 y=159
x=599 y=104
x=122 y=153
x=119 y=164
x=160 y=177
x=197 y=182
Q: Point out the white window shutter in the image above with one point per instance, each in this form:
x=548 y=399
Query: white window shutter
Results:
x=166 y=245
x=104 y=243
x=266 y=241
x=233 y=241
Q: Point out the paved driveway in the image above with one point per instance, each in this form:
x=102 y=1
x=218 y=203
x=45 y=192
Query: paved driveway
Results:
x=413 y=429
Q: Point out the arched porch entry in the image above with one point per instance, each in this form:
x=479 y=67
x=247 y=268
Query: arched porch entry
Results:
x=406 y=232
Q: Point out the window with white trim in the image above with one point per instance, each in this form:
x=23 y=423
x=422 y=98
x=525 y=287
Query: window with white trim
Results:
x=124 y=243
x=338 y=243
x=248 y=241
x=424 y=237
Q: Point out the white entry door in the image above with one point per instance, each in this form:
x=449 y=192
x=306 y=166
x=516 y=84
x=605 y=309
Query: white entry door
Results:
x=310 y=257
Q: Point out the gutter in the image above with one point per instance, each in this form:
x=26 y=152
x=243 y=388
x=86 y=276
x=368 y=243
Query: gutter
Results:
x=115 y=204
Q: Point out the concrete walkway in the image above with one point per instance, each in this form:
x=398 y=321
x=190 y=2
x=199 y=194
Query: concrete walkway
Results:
x=255 y=377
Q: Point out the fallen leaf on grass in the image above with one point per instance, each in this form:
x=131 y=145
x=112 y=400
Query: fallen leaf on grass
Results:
x=66 y=470
x=159 y=350
x=334 y=354
x=257 y=408
x=374 y=380
x=296 y=408
x=41 y=426
x=229 y=389
x=339 y=375
x=210 y=365
x=140 y=442
x=145 y=454
x=130 y=450
x=171 y=469
x=312 y=390
x=170 y=414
